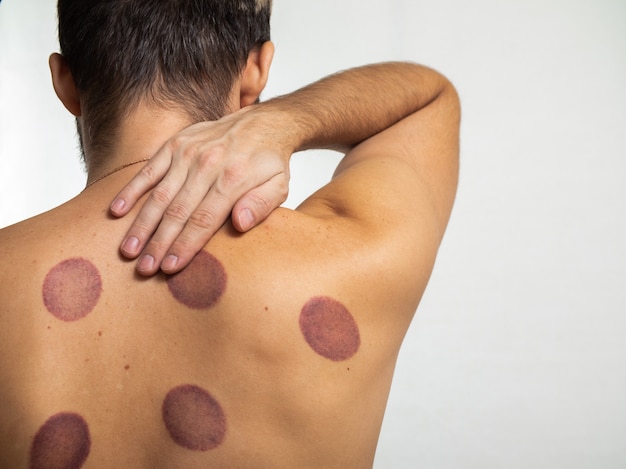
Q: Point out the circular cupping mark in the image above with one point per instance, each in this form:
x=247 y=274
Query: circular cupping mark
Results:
x=62 y=442
x=329 y=328
x=201 y=284
x=193 y=418
x=72 y=289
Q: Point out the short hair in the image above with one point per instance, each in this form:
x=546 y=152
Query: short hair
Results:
x=184 y=54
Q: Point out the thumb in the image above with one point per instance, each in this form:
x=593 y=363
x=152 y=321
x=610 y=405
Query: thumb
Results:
x=256 y=205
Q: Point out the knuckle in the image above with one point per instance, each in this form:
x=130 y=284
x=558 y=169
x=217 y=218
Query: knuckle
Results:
x=157 y=247
x=160 y=196
x=184 y=149
x=261 y=204
x=187 y=152
x=202 y=219
x=231 y=177
x=140 y=229
x=283 y=189
x=186 y=243
x=176 y=212
x=177 y=143
x=147 y=172
x=209 y=158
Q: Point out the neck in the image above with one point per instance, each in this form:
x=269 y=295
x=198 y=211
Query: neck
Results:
x=140 y=136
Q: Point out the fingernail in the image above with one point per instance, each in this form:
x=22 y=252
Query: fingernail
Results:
x=246 y=219
x=130 y=245
x=146 y=263
x=169 y=263
x=118 y=205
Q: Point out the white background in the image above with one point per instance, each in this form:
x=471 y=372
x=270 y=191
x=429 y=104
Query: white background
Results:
x=517 y=355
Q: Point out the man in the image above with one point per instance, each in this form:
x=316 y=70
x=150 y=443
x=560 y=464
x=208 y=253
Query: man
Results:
x=274 y=348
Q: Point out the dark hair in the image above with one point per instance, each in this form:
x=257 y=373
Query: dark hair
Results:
x=180 y=53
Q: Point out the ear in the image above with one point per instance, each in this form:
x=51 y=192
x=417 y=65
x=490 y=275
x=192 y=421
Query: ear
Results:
x=63 y=83
x=254 y=76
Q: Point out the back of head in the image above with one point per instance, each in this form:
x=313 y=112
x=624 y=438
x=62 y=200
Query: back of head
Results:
x=180 y=54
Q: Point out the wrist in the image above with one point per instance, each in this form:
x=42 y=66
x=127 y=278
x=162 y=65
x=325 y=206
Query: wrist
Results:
x=284 y=124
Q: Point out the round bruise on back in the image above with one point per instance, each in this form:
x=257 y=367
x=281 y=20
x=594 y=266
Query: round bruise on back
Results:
x=62 y=442
x=201 y=284
x=193 y=418
x=329 y=328
x=72 y=289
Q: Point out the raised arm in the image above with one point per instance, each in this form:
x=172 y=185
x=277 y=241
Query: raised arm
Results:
x=242 y=160
x=407 y=171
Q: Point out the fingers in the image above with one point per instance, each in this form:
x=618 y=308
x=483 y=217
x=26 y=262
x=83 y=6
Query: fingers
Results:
x=211 y=213
x=197 y=178
x=192 y=217
x=256 y=205
x=200 y=227
x=178 y=217
x=141 y=183
x=159 y=206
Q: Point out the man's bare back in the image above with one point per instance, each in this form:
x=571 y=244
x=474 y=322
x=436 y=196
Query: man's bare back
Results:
x=273 y=348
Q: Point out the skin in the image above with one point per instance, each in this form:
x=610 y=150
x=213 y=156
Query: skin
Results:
x=201 y=284
x=329 y=328
x=72 y=289
x=62 y=442
x=274 y=387
x=194 y=419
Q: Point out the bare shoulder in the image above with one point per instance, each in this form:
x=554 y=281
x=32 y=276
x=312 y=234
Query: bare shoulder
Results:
x=375 y=272
x=23 y=243
x=391 y=197
x=19 y=247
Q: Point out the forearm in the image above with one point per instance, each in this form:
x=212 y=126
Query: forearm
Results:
x=344 y=109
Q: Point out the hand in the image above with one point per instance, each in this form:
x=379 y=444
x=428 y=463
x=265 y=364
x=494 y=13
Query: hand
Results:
x=209 y=170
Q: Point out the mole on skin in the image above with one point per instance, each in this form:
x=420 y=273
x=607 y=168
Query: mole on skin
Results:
x=193 y=418
x=201 y=284
x=72 y=289
x=62 y=442
x=329 y=328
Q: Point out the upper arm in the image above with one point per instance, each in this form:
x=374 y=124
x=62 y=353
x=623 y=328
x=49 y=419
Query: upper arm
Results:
x=401 y=179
